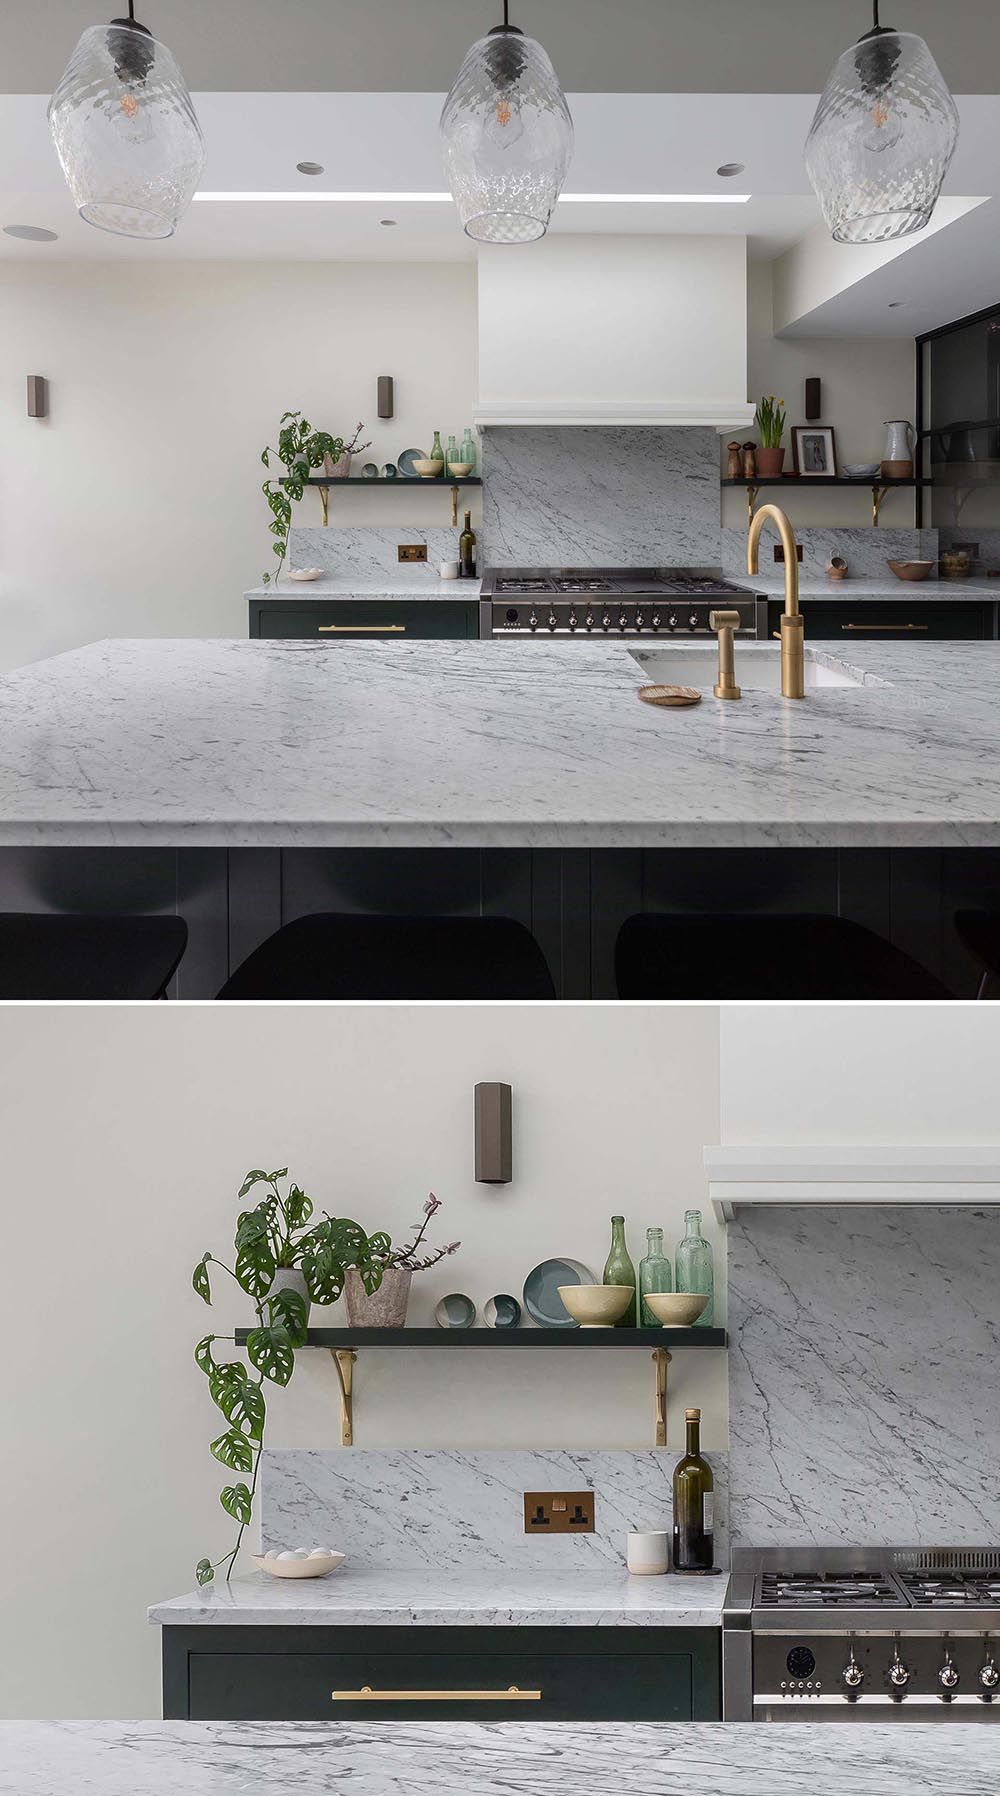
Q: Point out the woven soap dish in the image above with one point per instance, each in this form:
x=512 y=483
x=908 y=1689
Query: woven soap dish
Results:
x=669 y=696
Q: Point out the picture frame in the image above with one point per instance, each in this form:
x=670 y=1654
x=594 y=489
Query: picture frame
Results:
x=814 y=451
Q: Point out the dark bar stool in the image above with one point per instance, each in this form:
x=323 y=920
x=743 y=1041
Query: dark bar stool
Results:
x=333 y=955
x=717 y=957
x=74 y=957
x=979 y=931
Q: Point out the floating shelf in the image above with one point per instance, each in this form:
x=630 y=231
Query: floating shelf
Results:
x=344 y=1343
x=324 y=483
x=876 y=486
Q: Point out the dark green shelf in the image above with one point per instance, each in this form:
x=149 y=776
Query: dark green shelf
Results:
x=405 y=480
x=807 y=480
x=515 y=1337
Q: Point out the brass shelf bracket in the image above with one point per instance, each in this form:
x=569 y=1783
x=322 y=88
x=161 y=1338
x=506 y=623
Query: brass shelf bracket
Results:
x=324 y=500
x=661 y=1360
x=454 y=506
x=752 y=492
x=878 y=499
x=344 y=1358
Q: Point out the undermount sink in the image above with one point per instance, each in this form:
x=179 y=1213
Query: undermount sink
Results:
x=758 y=668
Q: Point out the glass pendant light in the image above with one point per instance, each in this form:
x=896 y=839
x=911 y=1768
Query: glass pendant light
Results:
x=884 y=133
x=508 y=138
x=125 y=129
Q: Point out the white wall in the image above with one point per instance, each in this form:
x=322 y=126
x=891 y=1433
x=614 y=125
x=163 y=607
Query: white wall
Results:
x=847 y=1073
x=135 y=508
x=126 y=1135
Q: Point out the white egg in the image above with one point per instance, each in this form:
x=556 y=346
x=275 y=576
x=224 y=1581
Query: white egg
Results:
x=319 y=1553
x=301 y=1552
x=286 y=1555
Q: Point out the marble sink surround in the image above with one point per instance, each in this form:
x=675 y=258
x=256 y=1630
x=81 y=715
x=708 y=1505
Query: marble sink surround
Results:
x=418 y=744
x=883 y=587
x=452 y=1596
x=423 y=1508
x=318 y=1758
x=862 y=1376
x=385 y=586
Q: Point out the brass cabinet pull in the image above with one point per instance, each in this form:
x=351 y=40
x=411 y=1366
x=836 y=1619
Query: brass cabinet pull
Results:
x=885 y=626
x=346 y=629
x=366 y=1694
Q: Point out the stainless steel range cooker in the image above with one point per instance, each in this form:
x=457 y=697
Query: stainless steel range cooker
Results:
x=584 y=603
x=862 y=1634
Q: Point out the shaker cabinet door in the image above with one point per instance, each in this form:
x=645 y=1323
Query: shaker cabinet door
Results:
x=357 y=620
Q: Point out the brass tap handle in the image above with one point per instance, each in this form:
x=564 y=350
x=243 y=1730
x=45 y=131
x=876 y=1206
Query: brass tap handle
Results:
x=725 y=623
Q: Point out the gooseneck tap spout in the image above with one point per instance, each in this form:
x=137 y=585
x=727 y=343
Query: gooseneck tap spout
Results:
x=792 y=629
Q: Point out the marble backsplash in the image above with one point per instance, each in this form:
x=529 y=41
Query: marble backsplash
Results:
x=371 y=551
x=865 y=551
x=864 y=1400
x=419 y=1507
x=587 y=497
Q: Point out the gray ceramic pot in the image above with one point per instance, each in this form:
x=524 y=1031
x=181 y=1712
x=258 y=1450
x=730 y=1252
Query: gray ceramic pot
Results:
x=289 y=1278
x=386 y=1307
x=340 y=469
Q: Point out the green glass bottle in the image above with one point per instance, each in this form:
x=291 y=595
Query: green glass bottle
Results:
x=437 y=453
x=694 y=1503
x=693 y=1265
x=451 y=454
x=654 y=1275
x=619 y=1269
x=469 y=451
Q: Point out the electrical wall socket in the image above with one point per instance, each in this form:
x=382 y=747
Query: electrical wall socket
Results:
x=558 y=1512
x=412 y=551
x=779 y=551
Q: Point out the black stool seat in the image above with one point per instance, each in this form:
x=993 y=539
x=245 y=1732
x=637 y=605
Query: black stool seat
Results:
x=717 y=957
x=88 y=957
x=979 y=931
x=332 y=955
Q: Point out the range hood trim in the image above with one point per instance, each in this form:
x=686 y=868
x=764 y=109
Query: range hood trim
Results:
x=900 y=1177
x=723 y=417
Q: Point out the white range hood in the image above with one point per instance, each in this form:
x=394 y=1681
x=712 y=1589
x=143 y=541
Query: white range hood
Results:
x=745 y=1177
x=614 y=330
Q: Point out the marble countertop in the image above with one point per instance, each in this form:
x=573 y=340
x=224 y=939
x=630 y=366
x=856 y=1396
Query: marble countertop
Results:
x=211 y=1758
x=874 y=586
x=358 y=588
x=361 y=1596
x=420 y=744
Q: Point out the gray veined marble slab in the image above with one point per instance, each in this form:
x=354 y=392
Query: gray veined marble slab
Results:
x=477 y=744
x=450 y=1596
x=211 y=1758
x=864 y=1401
x=865 y=551
x=371 y=586
x=370 y=552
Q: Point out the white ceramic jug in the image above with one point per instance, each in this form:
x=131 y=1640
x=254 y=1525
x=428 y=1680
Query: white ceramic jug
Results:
x=900 y=441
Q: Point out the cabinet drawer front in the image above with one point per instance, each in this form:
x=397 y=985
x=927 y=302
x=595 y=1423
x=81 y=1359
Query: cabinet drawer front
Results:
x=891 y=621
x=400 y=1684
x=349 y=620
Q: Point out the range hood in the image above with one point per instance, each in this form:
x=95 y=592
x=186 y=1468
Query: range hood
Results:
x=742 y=1178
x=614 y=330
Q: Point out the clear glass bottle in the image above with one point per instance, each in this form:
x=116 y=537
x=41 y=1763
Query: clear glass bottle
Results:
x=619 y=1269
x=451 y=454
x=437 y=453
x=694 y=1503
x=469 y=450
x=654 y=1275
x=693 y=1265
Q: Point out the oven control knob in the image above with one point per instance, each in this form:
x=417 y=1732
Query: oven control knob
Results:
x=622 y=619
x=989 y=1675
x=656 y=620
x=899 y=1676
x=692 y=620
x=606 y=621
x=572 y=620
x=638 y=620
x=532 y=622
x=589 y=620
x=552 y=620
x=673 y=620
x=947 y=1676
x=854 y=1677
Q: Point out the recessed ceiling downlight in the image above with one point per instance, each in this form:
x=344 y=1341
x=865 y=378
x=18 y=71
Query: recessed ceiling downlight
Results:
x=31 y=233
x=728 y=169
x=309 y=168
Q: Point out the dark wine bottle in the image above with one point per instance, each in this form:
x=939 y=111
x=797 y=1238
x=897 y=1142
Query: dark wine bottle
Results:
x=694 y=1503
x=467 y=550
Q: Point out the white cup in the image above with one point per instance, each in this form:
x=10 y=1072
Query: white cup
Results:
x=647 y=1554
x=448 y=570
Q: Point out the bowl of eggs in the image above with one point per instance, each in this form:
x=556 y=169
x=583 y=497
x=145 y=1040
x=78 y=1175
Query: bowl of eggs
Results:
x=299 y=1562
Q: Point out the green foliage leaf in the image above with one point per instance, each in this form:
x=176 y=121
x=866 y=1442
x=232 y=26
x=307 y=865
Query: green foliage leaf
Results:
x=241 y=1402
x=203 y=1356
x=298 y=1207
x=289 y=1309
x=252 y=1178
x=234 y=1451
x=199 y=1278
x=237 y=1502
x=324 y=1276
x=271 y=1352
x=255 y=1269
x=204 y=1571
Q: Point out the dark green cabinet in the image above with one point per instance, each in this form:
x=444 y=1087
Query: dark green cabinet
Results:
x=441 y=1674
x=894 y=620
x=354 y=620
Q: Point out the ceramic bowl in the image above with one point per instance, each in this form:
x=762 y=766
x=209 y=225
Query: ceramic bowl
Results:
x=369 y=471
x=502 y=1311
x=597 y=1306
x=541 y=1291
x=427 y=469
x=861 y=470
x=316 y=1566
x=305 y=573
x=455 y=1311
x=910 y=570
x=676 y=1309
x=460 y=469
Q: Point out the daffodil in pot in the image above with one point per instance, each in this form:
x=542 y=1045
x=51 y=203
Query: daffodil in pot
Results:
x=385 y=1305
x=770 y=421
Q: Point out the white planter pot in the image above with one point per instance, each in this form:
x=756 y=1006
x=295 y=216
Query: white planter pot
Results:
x=289 y=1278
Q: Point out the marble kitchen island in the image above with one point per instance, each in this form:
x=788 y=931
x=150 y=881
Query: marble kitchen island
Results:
x=148 y=1758
x=247 y=782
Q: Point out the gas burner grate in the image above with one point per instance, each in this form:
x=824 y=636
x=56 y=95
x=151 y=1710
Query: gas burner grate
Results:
x=952 y=1589
x=823 y=1590
x=582 y=586
x=522 y=588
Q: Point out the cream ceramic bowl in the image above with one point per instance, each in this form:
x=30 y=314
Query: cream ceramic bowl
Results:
x=427 y=469
x=304 y=573
x=460 y=469
x=676 y=1309
x=596 y=1306
x=316 y=1566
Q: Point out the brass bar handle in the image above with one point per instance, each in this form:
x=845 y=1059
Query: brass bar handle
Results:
x=352 y=629
x=858 y=627
x=367 y=1694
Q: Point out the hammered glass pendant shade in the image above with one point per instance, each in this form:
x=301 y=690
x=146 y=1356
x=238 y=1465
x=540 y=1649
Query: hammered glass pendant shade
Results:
x=508 y=139
x=884 y=133
x=128 y=139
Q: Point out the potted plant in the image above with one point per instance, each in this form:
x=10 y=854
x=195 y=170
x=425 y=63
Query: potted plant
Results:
x=339 y=466
x=281 y=1261
x=770 y=421
x=300 y=449
x=384 y=1305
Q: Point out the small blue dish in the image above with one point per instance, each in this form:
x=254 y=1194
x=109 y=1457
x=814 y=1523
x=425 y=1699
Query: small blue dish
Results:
x=406 y=461
x=541 y=1291
x=390 y=471
x=455 y=1311
x=502 y=1311
x=369 y=471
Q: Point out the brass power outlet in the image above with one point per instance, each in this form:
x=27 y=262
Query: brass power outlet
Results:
x=779 y=552
x=558 y=1512
x=412 y=551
